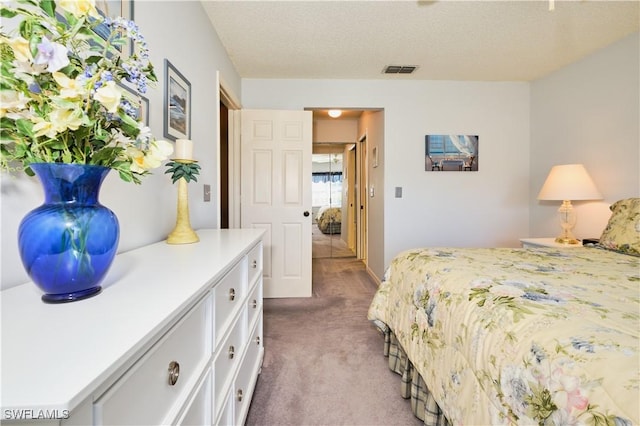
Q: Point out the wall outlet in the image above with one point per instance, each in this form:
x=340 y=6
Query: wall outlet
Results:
x=207 y=193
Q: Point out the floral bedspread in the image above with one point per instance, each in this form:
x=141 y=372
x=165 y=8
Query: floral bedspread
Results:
x=503 y=336
x=329 y=219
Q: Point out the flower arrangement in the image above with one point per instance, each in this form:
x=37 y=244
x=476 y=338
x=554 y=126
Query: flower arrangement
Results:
x=60 y=94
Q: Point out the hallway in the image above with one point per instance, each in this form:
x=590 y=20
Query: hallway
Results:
x=328 y=246
x=324 y=362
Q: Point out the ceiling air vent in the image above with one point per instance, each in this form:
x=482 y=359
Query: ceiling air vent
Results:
x=399 y=69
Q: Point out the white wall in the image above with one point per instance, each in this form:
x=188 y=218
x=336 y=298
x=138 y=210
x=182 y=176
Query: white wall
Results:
x=181 y=32
x=588 y=112
x=485 y=208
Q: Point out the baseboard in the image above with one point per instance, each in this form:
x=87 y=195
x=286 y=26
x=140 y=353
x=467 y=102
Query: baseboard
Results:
x=373 y=276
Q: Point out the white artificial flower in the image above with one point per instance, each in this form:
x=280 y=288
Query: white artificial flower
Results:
x=80 y=7
x=54 y=55
x=21 y=49
x=11 y=100
x=109 y=96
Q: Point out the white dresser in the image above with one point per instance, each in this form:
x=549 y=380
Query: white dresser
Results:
x=175 y=337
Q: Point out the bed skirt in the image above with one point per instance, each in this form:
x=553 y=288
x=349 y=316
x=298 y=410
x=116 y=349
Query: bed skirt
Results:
x=412 y=385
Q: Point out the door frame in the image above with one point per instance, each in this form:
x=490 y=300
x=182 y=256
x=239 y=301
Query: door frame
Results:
x=362 y=185
x=228 y=98
x=233 y=104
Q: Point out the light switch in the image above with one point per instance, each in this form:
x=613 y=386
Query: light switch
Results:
x=372 y=192
x=207 y=193
x=398 y=192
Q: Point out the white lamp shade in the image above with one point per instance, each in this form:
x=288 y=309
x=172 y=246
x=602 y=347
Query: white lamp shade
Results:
x=569 y=182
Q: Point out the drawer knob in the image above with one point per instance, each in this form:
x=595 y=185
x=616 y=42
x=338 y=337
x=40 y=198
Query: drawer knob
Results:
x=232 y=294
x=239 y=395
x=254 y=304
x=254 y=264
x=174 y=372
x=258 y=340
x=232 y=352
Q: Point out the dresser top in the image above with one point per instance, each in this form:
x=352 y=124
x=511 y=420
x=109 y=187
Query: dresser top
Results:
x=54 y=356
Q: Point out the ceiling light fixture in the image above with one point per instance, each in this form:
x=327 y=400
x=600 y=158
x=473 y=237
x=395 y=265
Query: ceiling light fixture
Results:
x=335 y=113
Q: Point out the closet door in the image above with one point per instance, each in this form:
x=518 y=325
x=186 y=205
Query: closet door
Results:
x=331 y=202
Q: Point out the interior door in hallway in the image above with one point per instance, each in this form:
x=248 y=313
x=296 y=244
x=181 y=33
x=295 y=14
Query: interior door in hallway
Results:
x=275 y=190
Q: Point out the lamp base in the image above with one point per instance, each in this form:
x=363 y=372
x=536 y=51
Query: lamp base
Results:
x=182 y=233
x=183 y=236
x=567 y=240
x=567 y=222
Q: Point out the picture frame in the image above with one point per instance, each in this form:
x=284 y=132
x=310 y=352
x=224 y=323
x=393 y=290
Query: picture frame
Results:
x=451 y=152
x=114 y=9
x=139 y=102
x=144 y=110
x=177 y=104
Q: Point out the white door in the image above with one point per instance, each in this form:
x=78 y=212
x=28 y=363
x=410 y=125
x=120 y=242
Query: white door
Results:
x=275 y=188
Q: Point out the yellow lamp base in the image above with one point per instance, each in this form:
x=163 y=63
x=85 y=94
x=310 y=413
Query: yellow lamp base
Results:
x=182 y=233
x=182 y=236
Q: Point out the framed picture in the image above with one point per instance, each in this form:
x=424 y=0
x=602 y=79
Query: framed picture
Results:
x=177 y=104
x=144 y=110
x=113 y=9
x=457 y=153
x=139 y=103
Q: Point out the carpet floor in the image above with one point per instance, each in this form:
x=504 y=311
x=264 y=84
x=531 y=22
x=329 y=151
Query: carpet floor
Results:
x=328 y=245
x=323 y=361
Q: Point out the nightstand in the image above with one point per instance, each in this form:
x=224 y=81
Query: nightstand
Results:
x=545 y=242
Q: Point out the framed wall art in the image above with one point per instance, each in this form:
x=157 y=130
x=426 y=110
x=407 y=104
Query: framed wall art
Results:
x=177 y=104
x=114 y=9
x=139 y=104
x=457 y=153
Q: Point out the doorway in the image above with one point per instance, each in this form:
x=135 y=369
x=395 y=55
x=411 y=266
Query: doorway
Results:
x=355 y=173
x=224 y=166
x=331 y=226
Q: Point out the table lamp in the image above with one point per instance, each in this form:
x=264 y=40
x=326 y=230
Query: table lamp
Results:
x=564 y=183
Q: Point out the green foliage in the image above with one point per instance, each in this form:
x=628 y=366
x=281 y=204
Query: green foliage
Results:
x=61 y=89
x=186 y=171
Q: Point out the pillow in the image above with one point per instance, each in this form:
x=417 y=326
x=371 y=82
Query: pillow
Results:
x=623 y=230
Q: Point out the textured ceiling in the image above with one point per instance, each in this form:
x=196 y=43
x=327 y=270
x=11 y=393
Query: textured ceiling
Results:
x=447 y=39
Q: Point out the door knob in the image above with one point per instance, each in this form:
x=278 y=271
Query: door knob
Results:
x=306 y=213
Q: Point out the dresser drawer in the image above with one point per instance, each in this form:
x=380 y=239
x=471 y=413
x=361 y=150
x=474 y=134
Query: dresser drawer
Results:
x=228 y=358
x=225 y=416
x=228 y=297
x=255 y=263
x=254 y=303
x=248 y=374
x=143 y=395
x=198 y=411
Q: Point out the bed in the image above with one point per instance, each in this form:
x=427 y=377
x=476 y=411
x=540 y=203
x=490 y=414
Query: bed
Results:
x=518 y=336
x=329 y=220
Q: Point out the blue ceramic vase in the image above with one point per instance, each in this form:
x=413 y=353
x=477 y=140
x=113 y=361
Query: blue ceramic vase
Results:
x=68 y=244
